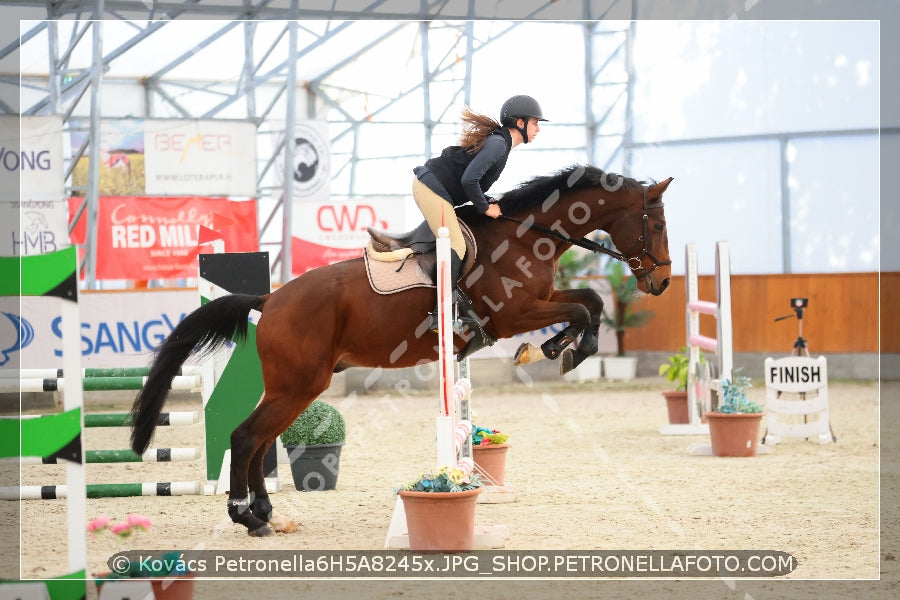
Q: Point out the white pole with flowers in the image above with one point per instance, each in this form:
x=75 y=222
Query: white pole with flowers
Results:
x=453 y=435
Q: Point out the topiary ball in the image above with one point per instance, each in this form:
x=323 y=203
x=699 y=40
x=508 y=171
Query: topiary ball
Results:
x=320 y=423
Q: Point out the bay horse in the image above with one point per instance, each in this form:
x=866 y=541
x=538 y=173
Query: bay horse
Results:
x=329 y=319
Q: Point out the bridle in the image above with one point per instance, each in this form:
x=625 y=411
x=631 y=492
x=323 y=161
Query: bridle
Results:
x=635 y=263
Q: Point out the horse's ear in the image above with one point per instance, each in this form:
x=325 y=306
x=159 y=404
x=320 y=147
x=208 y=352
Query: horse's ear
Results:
x=659 y=188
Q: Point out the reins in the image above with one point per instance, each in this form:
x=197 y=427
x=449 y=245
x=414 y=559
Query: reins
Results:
x=634 y=263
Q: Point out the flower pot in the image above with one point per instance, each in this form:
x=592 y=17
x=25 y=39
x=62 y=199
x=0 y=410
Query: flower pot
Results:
x=590 y=369
x=619 y=368
x=170 y=588
x=440 y=521
x=174 y=588
x=677 y=407
x=490 y=461
x=735 y=434
x=315 y=468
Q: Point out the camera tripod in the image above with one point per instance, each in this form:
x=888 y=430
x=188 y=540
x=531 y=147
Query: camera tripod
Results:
x=800 y=346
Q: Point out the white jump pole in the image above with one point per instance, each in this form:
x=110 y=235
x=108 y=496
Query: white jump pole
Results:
x=446 y=443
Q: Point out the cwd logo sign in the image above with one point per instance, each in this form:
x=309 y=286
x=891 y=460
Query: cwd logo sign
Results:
x=348 y=218
x=343 y=224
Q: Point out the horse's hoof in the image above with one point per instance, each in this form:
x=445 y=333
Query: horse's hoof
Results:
x=567 y=363
x=282 y=524
x=517 y=358
x=263 y=531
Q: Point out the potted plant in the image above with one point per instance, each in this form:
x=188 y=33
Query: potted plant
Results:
x=489 y=449
x=440 y=508
x=169 y=578
x=676 y=370
x=624 y=294
x=313 y=443
x=734 y=423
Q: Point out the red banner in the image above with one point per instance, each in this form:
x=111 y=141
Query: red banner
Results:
x=146 y=237
x=306 y=256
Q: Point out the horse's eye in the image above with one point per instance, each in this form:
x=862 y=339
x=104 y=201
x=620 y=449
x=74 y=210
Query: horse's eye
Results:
x=659 y=226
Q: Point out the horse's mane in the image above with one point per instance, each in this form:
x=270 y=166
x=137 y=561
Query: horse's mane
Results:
x=534 y=191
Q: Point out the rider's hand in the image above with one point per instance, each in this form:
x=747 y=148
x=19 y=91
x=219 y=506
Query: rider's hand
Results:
x=493 y=211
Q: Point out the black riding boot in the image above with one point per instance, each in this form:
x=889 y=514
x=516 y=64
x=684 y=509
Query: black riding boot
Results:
x=460 y=299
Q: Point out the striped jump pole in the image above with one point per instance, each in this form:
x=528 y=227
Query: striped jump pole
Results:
x=94 y=384
x=125 y=455
x=91 y=372
x=166 y=419
x=104 y=490
x=698 y=388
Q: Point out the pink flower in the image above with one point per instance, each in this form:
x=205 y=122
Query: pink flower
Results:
x=139 y=521
x=98 y=524
x=122 y=529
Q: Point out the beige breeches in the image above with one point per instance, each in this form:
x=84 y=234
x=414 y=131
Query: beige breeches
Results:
x=438 y=212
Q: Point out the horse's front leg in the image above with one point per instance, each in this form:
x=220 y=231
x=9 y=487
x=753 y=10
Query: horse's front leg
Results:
x=558 y=345
x=543 y=313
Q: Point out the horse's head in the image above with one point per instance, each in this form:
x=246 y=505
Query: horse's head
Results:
x=582 y=199
x=640 y=235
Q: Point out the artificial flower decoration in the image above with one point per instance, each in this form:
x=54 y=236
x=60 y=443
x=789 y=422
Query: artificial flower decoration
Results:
x=482 y=436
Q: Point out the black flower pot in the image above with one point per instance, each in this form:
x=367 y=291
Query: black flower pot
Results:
x=315 y=468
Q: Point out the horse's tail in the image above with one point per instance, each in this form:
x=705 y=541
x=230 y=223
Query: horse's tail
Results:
x=204 y=330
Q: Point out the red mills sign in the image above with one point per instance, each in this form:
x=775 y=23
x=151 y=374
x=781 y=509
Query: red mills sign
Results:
x=157 y=238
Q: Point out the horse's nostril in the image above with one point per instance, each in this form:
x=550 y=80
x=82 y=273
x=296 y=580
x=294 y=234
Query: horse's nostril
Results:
x=665 y=283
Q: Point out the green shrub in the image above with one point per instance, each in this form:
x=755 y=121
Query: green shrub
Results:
x=320 y=423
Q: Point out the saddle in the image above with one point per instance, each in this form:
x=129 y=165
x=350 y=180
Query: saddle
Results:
x=397 y=262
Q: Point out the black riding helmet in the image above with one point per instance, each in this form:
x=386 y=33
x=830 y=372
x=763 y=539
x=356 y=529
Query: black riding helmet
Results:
x=520 y=107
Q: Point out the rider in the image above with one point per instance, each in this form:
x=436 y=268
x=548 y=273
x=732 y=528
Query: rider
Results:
x=465 y=172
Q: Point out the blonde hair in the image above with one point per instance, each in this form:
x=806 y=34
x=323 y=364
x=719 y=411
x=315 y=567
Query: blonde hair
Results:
x=476 y=129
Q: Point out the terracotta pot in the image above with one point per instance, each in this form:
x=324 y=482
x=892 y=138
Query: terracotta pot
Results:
x=677 y=406
x=173 y=588
x=735 y=434
x=440 y=521
x=490 y=461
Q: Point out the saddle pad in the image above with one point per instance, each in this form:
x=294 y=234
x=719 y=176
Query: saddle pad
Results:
x=395 y=276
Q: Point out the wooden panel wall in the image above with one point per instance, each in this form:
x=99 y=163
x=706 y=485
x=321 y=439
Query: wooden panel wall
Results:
x=842 y=315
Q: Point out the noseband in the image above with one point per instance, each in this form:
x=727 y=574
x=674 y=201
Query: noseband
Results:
x=645 y=251
x=635 y=263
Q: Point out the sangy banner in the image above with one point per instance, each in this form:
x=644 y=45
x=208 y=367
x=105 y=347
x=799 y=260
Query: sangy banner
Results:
x=158 y=238
x=330 y=232
x=118 y=328
x=200 y=157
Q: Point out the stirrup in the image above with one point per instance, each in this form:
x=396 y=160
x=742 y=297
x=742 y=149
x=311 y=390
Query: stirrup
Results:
x=458 y=323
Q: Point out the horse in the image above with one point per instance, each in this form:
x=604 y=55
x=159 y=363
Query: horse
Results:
x=329 y=319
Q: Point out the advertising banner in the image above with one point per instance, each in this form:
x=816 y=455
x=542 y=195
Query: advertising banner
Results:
x=32 y=191
x=330 y=232
x=200 y=157
x=118 y=329
x=121 y=156
x=157 y=238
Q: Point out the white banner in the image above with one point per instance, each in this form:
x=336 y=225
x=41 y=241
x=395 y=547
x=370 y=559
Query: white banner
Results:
x=31 y=159
x=312 y=162
x=118 y=329
x=33 y=211
x=205 y=158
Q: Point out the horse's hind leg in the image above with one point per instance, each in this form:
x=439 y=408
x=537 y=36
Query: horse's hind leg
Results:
x=260 y=505
x=249 y=442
